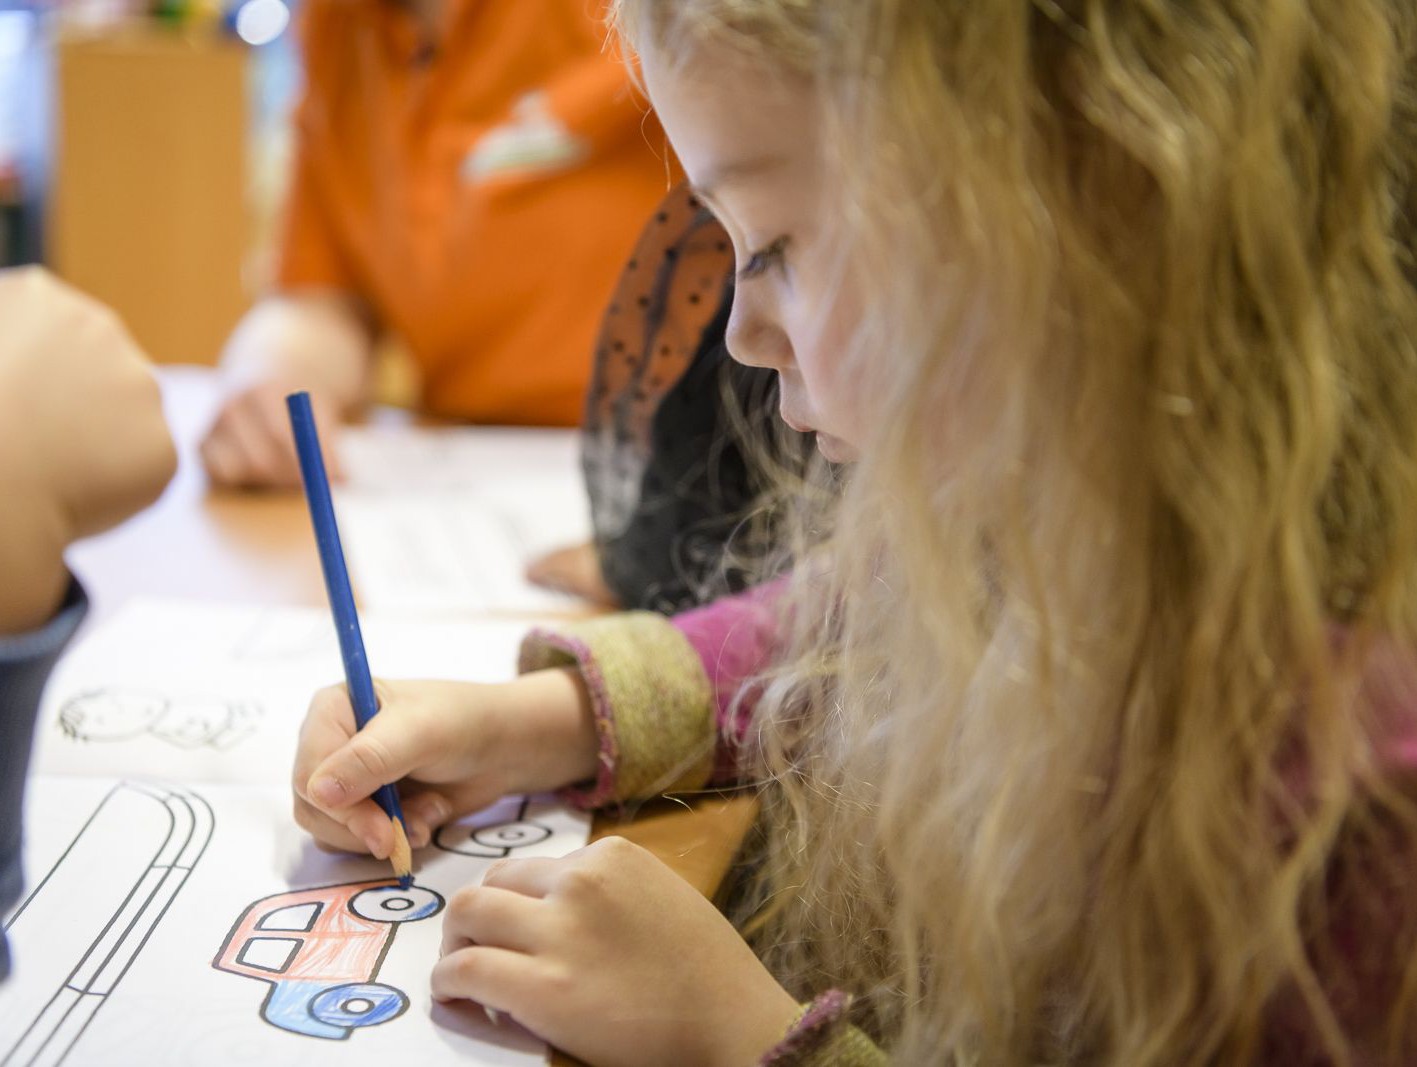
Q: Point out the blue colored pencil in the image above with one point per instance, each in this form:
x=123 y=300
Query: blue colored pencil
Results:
x=351 y=644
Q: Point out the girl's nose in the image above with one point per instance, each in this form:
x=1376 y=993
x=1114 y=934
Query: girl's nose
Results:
x=755 y=339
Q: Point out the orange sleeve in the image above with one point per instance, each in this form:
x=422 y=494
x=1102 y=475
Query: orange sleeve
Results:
x=308 y=254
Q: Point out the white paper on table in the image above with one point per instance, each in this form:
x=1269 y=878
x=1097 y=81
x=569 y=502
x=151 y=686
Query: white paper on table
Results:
x=146 y=845
x=195 y=691
x=400 y=458
x=131 y=946
x=459 y=551
x=445 y=521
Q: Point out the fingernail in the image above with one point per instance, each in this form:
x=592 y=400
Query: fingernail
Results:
x=375 y=849
x=437 y=811
x=418 y=835
x=327 y=791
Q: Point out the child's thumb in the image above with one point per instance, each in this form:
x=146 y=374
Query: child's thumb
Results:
x=377 y=755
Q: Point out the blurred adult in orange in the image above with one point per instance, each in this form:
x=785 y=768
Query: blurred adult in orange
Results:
x=470 y=175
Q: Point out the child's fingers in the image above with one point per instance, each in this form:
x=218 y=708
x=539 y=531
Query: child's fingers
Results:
x=423 y=813
x=494 y=977
x=337 y=767
x=530 y=877
x=221 y=459
x=575 y=570
x=284 y=460
x=362 y=832
x=261 y=459
x=497 y=918
x=329 y=723
x=381 y=753
x=327 y=418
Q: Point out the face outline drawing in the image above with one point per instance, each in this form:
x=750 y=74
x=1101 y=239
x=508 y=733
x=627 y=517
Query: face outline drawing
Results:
x=110 y=714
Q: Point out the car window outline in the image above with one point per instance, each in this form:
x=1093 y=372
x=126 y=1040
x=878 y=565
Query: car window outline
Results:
x=268 y=920
x=295 y=944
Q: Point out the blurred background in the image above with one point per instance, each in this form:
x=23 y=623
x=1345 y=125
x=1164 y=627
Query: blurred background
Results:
x=143 y=154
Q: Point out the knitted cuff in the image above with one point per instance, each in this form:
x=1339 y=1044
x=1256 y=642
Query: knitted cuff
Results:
x=823 y=1035
x=653 y=705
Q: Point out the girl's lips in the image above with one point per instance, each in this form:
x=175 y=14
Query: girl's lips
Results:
x=799 y=426
x=835 y=449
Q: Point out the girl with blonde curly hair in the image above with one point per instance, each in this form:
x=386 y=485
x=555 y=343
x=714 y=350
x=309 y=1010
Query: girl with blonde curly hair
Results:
x=1086 y=724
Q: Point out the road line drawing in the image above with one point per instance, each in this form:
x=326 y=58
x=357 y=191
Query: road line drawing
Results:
x=492 y=842
x=320 y=950
x=111 y=713
x=51 y=1036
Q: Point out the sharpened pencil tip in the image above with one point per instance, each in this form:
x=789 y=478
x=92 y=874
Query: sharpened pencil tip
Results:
x=401 y=856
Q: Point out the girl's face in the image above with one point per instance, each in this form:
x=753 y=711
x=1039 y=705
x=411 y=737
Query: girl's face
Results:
x=748 y=143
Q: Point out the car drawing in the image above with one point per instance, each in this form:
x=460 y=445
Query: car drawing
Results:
x=320 y=950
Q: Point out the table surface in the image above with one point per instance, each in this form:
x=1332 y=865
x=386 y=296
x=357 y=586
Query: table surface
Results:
x=257 y=548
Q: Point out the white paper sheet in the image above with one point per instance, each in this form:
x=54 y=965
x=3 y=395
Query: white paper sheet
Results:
x=403 y=457
x=444 y=522
x=193 y=691
x=152 y=838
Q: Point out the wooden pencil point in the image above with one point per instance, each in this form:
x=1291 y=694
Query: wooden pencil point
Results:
x=401 y=856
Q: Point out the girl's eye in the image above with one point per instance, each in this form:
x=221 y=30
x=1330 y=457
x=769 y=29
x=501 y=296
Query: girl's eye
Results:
x=760 y=261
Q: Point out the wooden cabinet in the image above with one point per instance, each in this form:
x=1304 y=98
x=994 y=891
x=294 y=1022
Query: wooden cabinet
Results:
x=148 y=208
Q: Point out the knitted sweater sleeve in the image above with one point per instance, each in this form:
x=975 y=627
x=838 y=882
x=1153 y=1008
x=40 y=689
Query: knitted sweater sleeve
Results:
x=822 y=1036
x=670 y=695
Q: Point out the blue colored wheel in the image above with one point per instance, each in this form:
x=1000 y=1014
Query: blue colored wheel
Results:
x=358 y=1004
x=390 y=904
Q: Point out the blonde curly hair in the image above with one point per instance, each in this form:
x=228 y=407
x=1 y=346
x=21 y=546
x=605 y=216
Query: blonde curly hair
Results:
x=1077 y=758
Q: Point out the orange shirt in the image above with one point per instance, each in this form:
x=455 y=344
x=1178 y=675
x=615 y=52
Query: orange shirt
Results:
x=481 y=198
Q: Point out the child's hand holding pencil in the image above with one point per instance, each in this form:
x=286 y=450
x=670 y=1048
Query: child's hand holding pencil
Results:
x=454 y=747
x=540 y=735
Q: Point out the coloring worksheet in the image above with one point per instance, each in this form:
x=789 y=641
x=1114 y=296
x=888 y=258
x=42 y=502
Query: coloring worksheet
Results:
x=175 y=914
x=194 y=691
x=414 y=500
x=400 y=457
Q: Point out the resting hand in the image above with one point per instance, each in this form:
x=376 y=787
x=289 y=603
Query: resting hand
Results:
x=612 y=957
x=455 y=747
x=574 y=569
x=83 y=441
x=250 y=445
x=318 y=342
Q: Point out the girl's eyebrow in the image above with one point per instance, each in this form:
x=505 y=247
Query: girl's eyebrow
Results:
x=735 y=171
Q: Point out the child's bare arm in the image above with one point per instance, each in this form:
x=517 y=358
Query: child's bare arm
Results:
x=83 y=442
